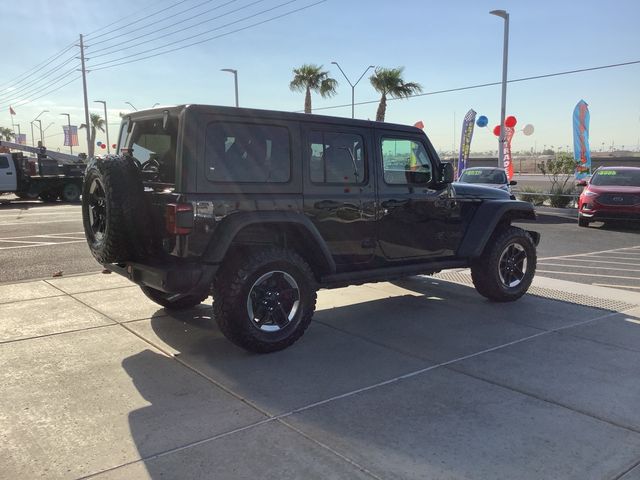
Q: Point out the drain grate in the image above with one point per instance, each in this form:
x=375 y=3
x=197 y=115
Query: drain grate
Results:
x=552 y=294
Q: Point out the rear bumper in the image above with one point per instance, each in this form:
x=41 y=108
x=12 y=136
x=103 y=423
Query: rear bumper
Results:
x=167 y=278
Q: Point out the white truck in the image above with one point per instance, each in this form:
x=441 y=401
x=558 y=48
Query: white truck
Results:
x=49 y=176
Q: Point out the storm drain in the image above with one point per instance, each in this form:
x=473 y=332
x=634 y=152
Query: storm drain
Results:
x=549 y=293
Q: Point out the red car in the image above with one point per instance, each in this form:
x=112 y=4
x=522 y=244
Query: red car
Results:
x=612 y=193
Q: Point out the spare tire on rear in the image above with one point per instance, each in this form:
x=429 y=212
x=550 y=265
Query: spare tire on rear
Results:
x=113 y=210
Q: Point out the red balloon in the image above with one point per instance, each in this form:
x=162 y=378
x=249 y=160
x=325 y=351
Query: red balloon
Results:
x=113 y=146
x=510 y=121
x=496 y=130
x=103 y=146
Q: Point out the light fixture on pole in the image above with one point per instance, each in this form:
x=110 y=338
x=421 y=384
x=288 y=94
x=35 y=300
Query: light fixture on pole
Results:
x=129 y=103
x=33 y=140
x=69 y=132
x=353 y=85
x=235 y=80
x=505 y=55
x=106 y=123
x=155 y=105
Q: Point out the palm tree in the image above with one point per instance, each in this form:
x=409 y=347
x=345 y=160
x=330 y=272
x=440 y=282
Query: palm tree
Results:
x=388 y=81
x=311 y=77
x=6 y=134
x=96 y=123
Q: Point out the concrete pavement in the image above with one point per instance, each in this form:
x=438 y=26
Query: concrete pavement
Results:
x=420 y=378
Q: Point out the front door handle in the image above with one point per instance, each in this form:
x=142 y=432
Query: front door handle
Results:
x=9 y=173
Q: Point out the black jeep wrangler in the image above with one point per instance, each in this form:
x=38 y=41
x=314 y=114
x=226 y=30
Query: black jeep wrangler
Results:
x=260 y=209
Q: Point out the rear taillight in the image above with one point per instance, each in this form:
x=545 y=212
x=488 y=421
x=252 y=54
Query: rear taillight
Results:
x=179 y=218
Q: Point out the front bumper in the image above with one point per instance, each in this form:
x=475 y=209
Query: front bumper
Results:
x=604 y=215
x=169 y=278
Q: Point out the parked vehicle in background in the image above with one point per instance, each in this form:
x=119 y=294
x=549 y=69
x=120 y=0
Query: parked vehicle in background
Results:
x=487 y=176
x=611 y=194
x=42 y=177
x=260 y=209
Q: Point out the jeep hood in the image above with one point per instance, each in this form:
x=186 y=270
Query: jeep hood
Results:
x=468 y=190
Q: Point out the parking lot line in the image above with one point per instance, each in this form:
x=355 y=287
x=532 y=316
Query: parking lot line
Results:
x=614 y=286
x=591 y=268
x=589 y=275
x=589 y=253
x=591 y=261
x=43 y=244
x=39 y=223
x=45 y=235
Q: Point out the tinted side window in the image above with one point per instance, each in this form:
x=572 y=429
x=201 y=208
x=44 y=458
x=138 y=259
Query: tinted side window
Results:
x=405 y=162
x=248 y=153
x=337 y=158
x=4 y=163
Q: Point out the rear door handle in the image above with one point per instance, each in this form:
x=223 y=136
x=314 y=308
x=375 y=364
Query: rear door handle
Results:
x=394 y=203
x=9 y=173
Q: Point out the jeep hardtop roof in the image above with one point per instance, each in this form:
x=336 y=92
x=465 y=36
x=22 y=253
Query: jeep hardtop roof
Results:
x=177 y=110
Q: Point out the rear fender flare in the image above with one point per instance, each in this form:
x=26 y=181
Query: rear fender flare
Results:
x=487 y=217
x=230 y=226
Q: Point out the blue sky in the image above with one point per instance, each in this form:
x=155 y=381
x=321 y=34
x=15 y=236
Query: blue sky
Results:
x=441 y=44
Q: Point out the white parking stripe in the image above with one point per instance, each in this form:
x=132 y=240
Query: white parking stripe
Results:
x=590 y=253
x=592 y=261
x=77 y=220
x=47 y=244
x=589 y=275
x=54 y=235
x=590 y=267
x=614 y=286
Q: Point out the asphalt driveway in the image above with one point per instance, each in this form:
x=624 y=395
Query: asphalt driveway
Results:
x=421 y=378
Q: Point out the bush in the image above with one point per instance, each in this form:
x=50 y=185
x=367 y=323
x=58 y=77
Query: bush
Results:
x=532 y=195
x=559 y=198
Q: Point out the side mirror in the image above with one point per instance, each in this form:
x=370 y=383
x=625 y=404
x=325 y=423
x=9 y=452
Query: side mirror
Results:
x=513 y=182
x=581 y=183
x=446 y=172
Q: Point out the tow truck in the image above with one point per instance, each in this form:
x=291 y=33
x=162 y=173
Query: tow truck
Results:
x=49 y=175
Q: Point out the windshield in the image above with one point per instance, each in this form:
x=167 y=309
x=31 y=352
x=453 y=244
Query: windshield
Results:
x=471 y=175
x=621 y=178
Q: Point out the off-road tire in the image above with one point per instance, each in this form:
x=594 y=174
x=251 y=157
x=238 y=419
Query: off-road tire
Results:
x=485 y=271
x=70 y=192
x=583 y=222
x=182 y=303
x=126 y=234
x=231 y=291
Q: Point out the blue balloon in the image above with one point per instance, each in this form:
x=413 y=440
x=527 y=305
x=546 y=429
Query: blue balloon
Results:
x=482 y=121
x=98 y=143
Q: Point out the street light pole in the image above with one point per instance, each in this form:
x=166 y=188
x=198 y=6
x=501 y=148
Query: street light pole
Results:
x=129 y=103
x=69 y=132
x=235 y=80
x=33 y=140
x=40 y=126
x=353 y=85
x=505 y=55
x=106 y=123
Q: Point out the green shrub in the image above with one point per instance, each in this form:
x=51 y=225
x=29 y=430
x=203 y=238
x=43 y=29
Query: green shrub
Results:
x=559 y=198
x=532 y=195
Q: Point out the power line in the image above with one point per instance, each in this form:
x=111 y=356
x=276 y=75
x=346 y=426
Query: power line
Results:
x=107 y=64
x=481 y=85
x=43 y=64
x=153 y=24
x=196 y=35
x=19 y=91
x=37 y=90
x=173 y=25
x=139 y=20
x=25 y=102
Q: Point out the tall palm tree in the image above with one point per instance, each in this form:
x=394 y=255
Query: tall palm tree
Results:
x=389 y=81
x=97 y=123
x=311 y=77
x=6 y=134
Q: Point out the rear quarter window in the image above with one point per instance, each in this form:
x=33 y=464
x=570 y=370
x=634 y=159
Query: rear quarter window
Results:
x=248 y=153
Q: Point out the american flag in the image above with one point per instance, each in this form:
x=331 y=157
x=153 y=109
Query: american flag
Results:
x=70 y=135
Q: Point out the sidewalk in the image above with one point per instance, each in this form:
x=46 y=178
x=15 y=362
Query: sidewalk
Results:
x=421 y=378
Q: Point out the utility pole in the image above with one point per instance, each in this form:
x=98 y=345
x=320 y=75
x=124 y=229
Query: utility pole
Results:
x=86 y=100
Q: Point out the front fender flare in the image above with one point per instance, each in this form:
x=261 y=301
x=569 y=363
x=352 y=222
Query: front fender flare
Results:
x=487 y=217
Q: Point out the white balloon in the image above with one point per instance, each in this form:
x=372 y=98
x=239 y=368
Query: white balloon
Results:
x=528 y=129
